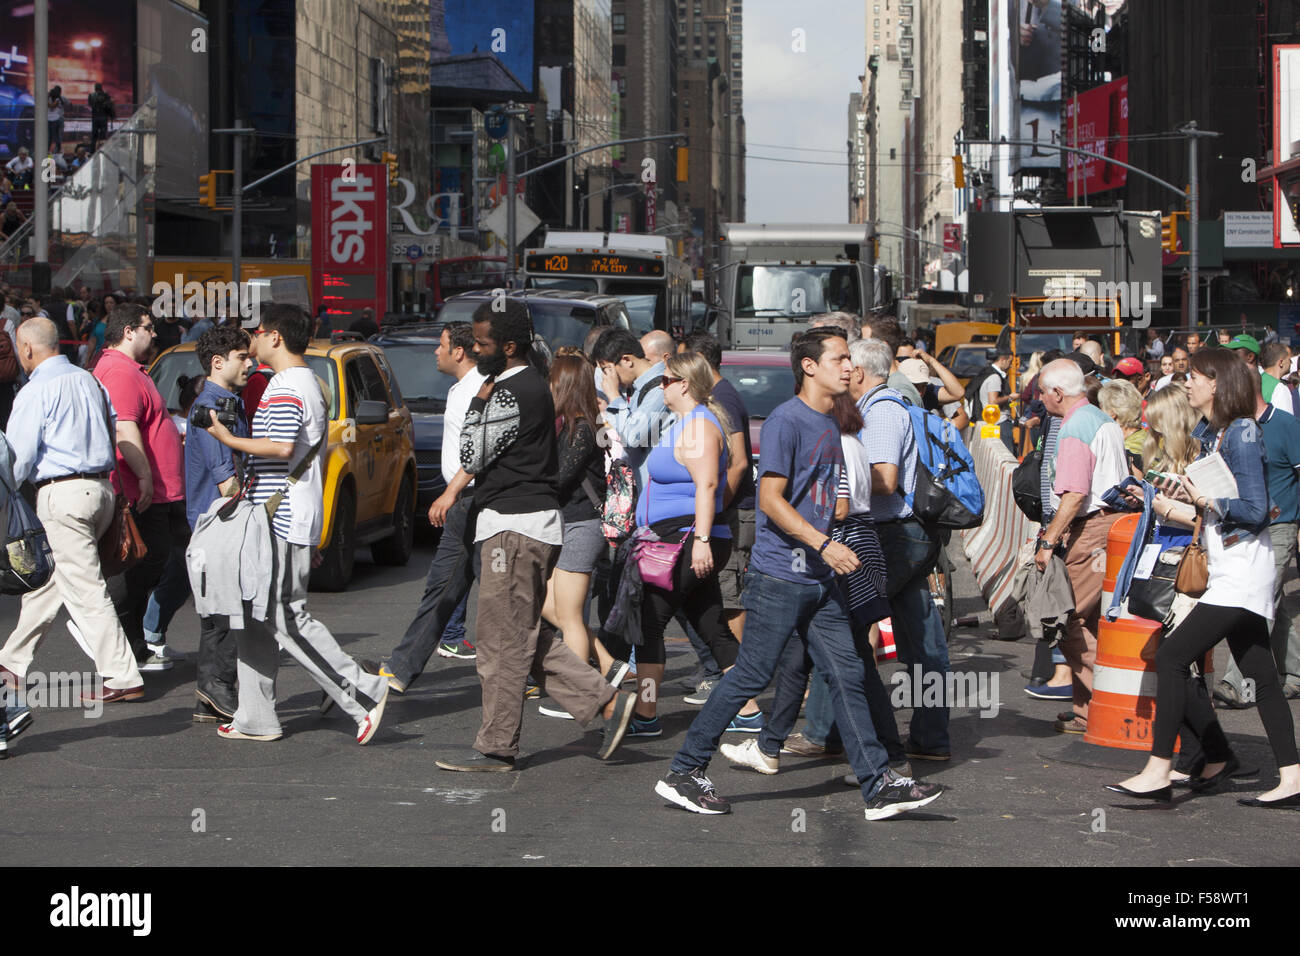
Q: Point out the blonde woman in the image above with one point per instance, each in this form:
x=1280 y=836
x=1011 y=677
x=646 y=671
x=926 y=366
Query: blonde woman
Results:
x=1123 y=402
x=681 y=503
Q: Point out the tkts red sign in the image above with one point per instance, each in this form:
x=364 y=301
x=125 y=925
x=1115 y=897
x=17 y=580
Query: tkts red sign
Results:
x=349 y=240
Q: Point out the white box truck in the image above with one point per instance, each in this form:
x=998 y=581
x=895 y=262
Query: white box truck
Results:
x=774 y=277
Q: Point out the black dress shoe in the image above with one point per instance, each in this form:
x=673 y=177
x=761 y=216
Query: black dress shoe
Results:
x=1204 y=784
x=1286 y=803
x=1164 y=794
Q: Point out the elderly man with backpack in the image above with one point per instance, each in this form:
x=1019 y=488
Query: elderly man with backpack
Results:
x=912 y=546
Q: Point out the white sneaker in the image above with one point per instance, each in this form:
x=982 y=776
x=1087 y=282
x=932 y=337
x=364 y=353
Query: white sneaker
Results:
x=748 y=755
x=370 y=725
x=166 y=652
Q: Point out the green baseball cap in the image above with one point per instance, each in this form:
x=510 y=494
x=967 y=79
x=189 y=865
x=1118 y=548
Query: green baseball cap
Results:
x=1245 y=342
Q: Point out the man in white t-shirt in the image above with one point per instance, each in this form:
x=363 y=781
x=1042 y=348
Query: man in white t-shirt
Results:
x=995 y=391
x=289 y=429
x=439 y=620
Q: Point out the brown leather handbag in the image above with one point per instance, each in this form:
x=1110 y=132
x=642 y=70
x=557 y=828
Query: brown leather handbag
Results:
x=120 y=546
x=1194 y=568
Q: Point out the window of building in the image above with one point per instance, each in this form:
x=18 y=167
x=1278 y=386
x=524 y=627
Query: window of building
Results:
x=699 y=28
x=892 y=152
x=620 y=54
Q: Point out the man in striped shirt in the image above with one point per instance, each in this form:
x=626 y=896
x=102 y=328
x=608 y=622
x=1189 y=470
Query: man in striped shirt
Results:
x=289 y=428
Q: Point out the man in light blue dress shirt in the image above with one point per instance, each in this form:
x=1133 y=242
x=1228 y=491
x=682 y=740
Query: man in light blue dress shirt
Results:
x=61 y=432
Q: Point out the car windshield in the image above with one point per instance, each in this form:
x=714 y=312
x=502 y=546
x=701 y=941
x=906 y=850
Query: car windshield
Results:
x=171 y=365
x=643 y=301
x=559 y=322
x=796 y=290
x=415 y=365
x=761 y=387
x=969 y=362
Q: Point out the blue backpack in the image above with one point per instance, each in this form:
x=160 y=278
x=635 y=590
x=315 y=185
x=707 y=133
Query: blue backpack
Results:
x=947 y=493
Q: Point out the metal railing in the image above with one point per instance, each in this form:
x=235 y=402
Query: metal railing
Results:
x=95 y=214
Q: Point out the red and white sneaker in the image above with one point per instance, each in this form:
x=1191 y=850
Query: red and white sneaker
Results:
x=229 y=732
x=367 y=728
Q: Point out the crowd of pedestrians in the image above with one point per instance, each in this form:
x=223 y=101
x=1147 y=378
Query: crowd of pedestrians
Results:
x=620 y=475
x=1121 y=438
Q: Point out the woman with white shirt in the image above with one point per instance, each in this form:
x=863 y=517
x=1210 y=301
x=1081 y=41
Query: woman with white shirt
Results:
x=1238 y=601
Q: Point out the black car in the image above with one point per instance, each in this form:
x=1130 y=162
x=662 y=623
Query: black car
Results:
x=411 y=353
x=560 y=316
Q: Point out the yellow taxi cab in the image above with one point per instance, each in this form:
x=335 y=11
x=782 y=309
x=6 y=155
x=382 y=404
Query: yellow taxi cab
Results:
x=370 y=476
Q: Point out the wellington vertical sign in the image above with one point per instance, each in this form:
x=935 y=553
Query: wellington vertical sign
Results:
x=349 y=243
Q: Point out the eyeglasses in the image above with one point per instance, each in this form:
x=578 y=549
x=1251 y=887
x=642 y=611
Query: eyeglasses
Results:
x=143 y=327
x=263 y=331
x=670 y=380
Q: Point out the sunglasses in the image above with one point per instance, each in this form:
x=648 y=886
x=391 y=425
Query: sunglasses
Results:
x=669 y=380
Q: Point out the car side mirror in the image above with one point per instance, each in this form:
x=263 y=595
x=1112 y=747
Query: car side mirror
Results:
x=370 y=412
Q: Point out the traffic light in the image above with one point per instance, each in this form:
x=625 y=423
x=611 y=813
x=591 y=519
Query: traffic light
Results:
x=958 y=172
x=683 y=163
x=208 y=190
x=875 y=248
x=1169 y=233
x=390 y=160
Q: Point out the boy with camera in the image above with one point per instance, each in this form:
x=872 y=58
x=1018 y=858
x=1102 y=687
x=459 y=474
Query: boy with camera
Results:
x=213 y=471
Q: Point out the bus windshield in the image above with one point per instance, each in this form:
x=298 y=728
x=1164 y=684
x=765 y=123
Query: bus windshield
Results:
x=797 y=290
x=644 y=301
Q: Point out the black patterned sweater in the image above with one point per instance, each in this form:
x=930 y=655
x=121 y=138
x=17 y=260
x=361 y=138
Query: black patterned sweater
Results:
x=508 y=445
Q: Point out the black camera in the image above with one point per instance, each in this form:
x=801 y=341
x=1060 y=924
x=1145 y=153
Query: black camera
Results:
x=227 y=413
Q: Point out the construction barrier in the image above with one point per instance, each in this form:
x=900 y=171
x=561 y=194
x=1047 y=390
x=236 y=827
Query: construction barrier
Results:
x=1117 y=545
x=1124 y=684
x=994 y=548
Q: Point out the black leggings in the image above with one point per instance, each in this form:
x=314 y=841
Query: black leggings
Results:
x=700 y=598
x=1247 y=634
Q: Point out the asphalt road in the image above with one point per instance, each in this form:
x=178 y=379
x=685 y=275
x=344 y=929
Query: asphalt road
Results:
x=143 y=785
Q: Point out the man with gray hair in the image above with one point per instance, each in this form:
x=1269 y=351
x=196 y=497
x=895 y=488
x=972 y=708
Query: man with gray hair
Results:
x=62 y=436
x=911 y=547
x=839 y=320
x=1089 y=460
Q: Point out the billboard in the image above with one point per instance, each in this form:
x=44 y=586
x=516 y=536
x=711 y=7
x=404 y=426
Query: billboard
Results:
x=90 y=42
x=349 y=240
x=1097 y=120
x=483 y=46
x=1286 y=142
x=1037 y=44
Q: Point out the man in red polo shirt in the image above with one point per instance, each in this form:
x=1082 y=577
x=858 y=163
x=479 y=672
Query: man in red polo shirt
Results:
x=150 y=466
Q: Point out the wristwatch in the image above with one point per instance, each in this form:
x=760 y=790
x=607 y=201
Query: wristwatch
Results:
x=1045 y=545
x=702 y=538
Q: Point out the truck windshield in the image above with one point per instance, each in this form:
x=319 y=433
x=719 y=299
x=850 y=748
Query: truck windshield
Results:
x=796 y=290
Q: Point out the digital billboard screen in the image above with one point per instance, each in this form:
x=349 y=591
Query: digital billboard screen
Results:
x=89 y=43
x=483 y=46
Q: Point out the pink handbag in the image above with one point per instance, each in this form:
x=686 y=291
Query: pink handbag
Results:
x=656 y=560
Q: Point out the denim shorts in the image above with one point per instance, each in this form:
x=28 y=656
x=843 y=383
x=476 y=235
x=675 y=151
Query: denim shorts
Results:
x=584 y=543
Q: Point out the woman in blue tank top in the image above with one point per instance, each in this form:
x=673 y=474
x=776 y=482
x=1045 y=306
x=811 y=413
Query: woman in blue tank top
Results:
x=682 y=500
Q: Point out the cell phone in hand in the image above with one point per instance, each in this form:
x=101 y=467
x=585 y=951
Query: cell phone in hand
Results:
x=1154 y=477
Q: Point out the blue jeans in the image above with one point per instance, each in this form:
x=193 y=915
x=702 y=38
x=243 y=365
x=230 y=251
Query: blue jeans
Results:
x=918 y=628
x=778 y=609
x=708 y=669
x=169 y=596
x=454 y=632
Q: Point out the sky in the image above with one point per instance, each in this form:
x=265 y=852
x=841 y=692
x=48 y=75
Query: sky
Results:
x=800 y=99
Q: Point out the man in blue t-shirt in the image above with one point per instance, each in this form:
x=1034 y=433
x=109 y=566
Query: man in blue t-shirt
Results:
x=212 y=472
x=791 y=589
x=1281 y=433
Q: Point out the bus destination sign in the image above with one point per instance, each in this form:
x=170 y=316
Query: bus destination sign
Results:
x=584 y=264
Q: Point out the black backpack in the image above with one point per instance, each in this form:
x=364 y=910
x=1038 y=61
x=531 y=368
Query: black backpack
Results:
x=973 y=392
x=1027 y=485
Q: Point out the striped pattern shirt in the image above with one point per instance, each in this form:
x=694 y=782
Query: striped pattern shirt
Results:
x=282 y=416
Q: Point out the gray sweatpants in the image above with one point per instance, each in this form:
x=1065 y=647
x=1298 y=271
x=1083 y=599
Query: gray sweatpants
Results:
x=1283 y=638
x=306 y=639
